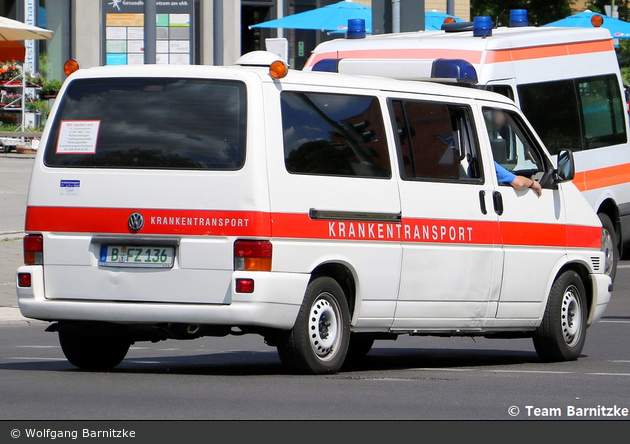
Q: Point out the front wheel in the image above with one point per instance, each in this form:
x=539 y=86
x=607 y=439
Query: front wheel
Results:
x=318 y=342
x=609 y=246
x=93 y=352
x=562 y=333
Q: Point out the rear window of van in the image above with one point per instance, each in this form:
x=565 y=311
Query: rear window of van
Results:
x=195 y=124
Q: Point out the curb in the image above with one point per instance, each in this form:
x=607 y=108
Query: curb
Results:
x=12 y=316
x=11 y=235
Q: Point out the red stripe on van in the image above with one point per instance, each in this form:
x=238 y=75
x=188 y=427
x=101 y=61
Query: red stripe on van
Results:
x=602 y=177
x=541 y=52
x=472 y=56
x=301 y=226
x=114 y=220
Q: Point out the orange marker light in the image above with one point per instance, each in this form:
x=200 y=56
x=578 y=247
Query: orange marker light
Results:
x=70 y=66
x=278 y=69
x=449 y=20
x=597 y=20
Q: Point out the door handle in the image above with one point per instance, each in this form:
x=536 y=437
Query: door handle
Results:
x=482 y=202
x=497 y=200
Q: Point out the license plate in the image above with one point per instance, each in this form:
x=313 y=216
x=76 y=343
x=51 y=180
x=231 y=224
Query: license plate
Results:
x=136 y=256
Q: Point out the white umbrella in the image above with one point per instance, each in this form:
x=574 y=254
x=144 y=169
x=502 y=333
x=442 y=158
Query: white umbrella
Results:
x=14 y=30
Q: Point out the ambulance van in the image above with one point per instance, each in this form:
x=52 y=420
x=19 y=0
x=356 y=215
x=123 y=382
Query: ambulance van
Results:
x=566 y=81
x=317 y=210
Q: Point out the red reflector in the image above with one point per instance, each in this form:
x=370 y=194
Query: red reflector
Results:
x=244 y=285
x=24 y=280
x=33 y=249
x=258 y=249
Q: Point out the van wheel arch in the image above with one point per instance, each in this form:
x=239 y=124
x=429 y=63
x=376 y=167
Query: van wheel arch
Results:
x=583 y=272
x=609 y=208
x=344 y=277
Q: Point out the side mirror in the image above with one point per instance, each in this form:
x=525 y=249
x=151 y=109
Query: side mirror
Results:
x=566 y=166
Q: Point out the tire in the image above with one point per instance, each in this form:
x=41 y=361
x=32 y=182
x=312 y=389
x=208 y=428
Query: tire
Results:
x=318 y=342
x=610 y=246
x=359 y=346
x=5 y=148
x=562 y=333
x=91 y=352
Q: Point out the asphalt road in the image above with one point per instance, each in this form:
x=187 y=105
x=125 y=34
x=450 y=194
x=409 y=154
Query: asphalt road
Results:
x=242 y=378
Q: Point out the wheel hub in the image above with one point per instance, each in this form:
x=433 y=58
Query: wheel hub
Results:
x=571 y=316
x=324 y=327
x=607 y=248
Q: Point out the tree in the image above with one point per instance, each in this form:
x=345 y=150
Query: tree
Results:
x=540 y=12
x=598 y=6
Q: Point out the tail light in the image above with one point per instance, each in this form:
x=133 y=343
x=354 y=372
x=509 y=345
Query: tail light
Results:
x=252 y=255
x=33 y=249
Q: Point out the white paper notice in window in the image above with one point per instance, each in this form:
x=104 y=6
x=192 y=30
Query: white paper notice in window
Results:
x=78 y=136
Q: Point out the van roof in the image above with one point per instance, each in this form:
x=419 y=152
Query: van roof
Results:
x=294 y=77
x=502 y=38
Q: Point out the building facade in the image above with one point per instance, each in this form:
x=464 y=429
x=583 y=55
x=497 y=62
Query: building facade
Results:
x=211 y=32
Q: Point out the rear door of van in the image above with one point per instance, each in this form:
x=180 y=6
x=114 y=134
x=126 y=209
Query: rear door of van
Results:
x=144 y=183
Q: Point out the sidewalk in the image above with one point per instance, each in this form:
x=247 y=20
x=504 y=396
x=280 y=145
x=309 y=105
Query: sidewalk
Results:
x=15 y=171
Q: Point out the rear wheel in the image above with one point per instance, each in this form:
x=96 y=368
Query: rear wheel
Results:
x=5 y=148
x=93 y=352
x=610 y=246
x=562 y=333
x=318 y=342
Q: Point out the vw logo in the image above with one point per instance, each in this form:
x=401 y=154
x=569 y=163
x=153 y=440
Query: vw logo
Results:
x=135 y=222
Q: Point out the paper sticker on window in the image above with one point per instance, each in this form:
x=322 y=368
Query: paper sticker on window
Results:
x=78 y=136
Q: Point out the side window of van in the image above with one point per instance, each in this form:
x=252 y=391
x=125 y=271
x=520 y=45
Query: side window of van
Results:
x=334 y=134
x=436 y=142
x=512 y=147
x=580 y=114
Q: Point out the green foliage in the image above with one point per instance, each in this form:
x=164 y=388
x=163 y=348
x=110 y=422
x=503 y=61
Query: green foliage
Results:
x=51 y=87
x=598 y=6
x=39 y=106
x=540 y=12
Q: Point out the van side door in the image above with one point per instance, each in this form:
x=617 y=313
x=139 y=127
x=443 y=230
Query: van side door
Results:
x=334 y=202
x=452 y=261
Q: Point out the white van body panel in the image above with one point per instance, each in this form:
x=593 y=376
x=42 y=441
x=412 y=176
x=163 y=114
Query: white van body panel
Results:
x=441 y=279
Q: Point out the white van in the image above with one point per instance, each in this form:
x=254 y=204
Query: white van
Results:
x=566 y=81
x=318 y=210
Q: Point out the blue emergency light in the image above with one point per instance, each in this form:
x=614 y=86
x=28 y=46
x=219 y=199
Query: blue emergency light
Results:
x=518 y=18
x=356 y=29
x=482 y=26
x=456 y=69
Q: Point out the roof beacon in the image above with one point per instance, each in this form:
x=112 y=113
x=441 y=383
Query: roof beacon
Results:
x=518 y=18
x=356 y=29
x=457 y=70
x=482 y=26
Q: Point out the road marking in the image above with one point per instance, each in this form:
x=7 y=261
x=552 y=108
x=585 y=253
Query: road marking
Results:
x=145 y=362
x=8 y=283
x=623 y=266
x=170 y=349
x=614 y=322
x=621 y=360
x=24 y=358
x=550 y=372
x=36 y=346
x=609 y=374
x=133 y=347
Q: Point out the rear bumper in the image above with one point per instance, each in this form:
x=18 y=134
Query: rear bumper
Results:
x=275 y=303
x=601 y=296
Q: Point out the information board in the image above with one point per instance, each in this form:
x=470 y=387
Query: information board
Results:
x=123 y=22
